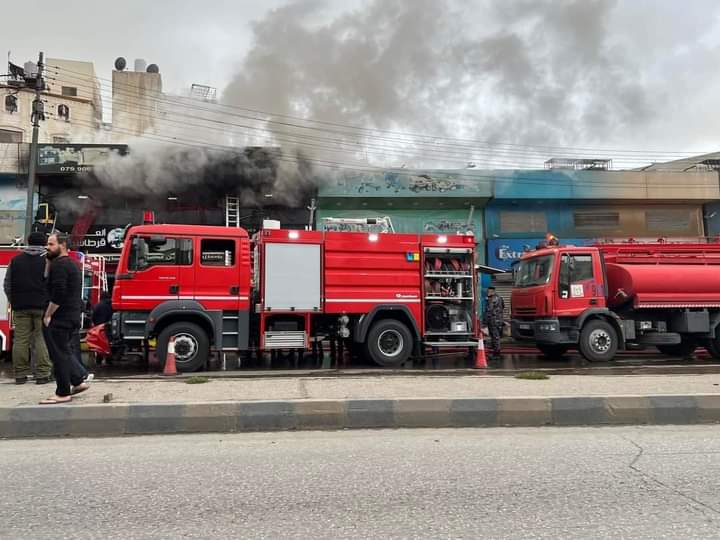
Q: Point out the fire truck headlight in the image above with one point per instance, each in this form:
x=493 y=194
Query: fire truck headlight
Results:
x=442 y=239
x=373 y=237
x=293 y=235
x=548 y=327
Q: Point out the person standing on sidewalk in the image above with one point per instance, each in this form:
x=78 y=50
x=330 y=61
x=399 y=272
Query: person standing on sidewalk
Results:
x=26 y=291
x=494 y=315
x=62 y=319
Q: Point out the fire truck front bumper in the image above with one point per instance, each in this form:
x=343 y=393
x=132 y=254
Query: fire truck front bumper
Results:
x=548 y=331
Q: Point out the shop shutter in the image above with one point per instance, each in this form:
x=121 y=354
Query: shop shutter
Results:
x=596 y=220
x=503 y=284
x=523 y=222
x=667 y=220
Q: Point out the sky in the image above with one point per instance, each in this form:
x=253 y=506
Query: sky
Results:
x=591 y=74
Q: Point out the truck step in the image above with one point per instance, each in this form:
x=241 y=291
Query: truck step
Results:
x=291 y=339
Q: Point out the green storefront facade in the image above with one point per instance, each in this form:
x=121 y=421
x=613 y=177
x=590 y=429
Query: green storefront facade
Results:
x=435 y=201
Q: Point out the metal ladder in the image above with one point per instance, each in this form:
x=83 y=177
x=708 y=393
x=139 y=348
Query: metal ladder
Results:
x=232 y=211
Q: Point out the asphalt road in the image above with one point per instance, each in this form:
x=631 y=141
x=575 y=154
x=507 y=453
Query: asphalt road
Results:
x=645 y=482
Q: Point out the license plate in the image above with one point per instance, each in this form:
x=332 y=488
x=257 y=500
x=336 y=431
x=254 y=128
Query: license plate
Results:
x=524 y=327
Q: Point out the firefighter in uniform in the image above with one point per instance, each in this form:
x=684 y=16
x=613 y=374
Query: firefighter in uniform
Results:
x=493 y=319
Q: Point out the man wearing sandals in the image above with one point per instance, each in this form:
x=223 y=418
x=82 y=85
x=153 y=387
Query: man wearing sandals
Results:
x=62 y=318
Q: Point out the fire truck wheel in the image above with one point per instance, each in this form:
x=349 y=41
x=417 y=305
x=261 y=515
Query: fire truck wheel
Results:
x=685 y=348
x=192 y=345
x=553 y=351
x=713 y=347
x=389 y=343
x=598 y=341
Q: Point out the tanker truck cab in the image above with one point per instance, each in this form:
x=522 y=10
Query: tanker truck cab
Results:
x=559 y=301
x=187 y=283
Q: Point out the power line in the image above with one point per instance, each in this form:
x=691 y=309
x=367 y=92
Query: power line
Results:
x=490 y=179
x=456 y=156
x=370 y=131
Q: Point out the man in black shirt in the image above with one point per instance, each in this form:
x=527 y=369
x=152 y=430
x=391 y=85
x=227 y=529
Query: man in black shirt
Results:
x=26 y=291
x=62 y=319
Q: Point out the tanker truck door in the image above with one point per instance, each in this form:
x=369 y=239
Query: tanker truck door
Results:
x=580 y=284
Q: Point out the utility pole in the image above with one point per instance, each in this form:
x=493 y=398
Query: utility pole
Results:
x=38 y=114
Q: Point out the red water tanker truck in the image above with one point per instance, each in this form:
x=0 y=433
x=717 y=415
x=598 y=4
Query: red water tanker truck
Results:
x=608 y=297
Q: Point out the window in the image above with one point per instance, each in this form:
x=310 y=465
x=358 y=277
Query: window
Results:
x=668 y=220
x=596 y=220
x=69 y=91
x=217 y=252
x=534 y=271
x=521 y=222
x=3 y=298
x=574 y=269
x=150 y=251
x=11 y=103
x=63 y=111
x=9 y=136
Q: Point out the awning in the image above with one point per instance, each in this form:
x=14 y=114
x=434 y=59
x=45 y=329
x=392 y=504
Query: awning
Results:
x=489 y=269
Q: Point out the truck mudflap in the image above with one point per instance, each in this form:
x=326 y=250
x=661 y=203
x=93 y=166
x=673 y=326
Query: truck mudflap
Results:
x=543 y=331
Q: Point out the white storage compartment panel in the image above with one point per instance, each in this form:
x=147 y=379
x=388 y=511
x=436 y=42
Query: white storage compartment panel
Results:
x=292 y=277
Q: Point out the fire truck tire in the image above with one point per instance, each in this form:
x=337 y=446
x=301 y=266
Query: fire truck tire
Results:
x=685 y=348
x=192 y=345
x=713 y=347
x=389 y=343
x=553 y=351
x=598 y=341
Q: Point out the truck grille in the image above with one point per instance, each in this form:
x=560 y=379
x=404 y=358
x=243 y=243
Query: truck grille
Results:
x=525 y=310
x=285 y=340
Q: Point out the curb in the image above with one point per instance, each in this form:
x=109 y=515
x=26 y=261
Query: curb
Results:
x=242 y=416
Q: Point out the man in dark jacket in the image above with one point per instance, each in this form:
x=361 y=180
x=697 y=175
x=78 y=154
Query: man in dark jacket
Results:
x=62 y=319
x=26 y=291
x=494 y=314
x=102 y=312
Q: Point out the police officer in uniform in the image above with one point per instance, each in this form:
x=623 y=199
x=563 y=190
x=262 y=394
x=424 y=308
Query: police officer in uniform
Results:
x=493 y=319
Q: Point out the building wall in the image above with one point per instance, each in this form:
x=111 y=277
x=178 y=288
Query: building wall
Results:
x=136 y=104
x=509 y=220
x=605 y=185
x=85 y=107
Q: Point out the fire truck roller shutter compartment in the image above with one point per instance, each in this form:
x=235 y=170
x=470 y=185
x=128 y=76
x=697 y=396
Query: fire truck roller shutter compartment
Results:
x=292 y=277
x=4 y=315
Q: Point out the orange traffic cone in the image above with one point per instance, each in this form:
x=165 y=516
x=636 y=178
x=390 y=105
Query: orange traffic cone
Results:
x=480 y=359
x=170 y=368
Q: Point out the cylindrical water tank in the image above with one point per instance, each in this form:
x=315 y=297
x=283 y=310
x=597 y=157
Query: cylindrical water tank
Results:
x=140 y=65
x=670 y=283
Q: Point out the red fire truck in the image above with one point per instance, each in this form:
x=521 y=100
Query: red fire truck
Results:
x=215 y=289
x=94 y=284
x=605 y=297
x=6 y=254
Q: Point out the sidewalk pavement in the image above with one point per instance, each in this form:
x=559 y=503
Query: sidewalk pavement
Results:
x=252 y=404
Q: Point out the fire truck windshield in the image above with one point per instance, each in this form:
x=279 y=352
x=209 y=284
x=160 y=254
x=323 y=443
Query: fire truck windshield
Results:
x=534 y=271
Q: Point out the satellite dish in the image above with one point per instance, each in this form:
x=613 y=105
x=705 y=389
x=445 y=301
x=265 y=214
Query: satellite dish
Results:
x=120 y=63
x=153 y=68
